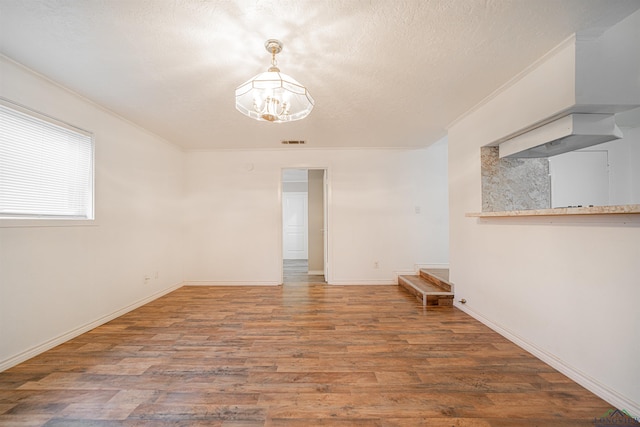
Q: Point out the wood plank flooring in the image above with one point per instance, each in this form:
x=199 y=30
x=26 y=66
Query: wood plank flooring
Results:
x=294 y=355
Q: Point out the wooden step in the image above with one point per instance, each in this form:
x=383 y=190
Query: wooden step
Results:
x=438 y=276
x=430 y=293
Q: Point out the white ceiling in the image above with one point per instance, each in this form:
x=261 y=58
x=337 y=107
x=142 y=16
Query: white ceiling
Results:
x=384 y=73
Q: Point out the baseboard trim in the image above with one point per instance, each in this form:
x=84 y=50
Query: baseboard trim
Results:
x=609 y=395
x=363 y=283
x=397 y=274
x=228 y=283
x=48 y=345
x=419 y=266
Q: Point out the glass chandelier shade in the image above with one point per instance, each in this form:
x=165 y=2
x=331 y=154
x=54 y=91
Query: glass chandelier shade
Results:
x=273 y=96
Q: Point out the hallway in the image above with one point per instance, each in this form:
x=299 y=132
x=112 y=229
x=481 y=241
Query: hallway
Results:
x=295 y=271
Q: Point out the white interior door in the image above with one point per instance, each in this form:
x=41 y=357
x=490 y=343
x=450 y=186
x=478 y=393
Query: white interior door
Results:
x=295 y=225
x=579 y=178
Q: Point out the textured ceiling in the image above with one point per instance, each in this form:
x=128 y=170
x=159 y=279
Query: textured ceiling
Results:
x=384 y=73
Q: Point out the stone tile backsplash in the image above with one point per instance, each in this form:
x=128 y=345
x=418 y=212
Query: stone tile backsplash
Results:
x=514 y=184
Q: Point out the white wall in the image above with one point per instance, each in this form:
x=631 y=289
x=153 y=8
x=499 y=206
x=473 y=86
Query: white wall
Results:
x=565 y=288
x=316 y=221
x=56 y=282
x=554 y=75
x=634 y=153
x=623 y=161
x=608 y=67
x=233 y=208
x=623 y=180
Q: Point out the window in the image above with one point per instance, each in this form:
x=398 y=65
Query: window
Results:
x=46 y=166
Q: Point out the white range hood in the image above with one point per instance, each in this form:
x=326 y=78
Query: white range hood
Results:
x=568 y=133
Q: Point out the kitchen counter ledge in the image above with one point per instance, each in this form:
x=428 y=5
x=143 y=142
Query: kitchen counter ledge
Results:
x=594 y=210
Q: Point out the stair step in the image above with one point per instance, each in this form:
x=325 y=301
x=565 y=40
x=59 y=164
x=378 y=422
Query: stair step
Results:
x=430 y=293
x=438 y=276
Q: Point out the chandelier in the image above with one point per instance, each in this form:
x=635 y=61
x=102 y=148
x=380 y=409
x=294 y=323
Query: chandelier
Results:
x=273 y=96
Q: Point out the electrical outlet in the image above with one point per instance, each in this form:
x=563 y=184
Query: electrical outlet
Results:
x=147 y=280
x=376 y=264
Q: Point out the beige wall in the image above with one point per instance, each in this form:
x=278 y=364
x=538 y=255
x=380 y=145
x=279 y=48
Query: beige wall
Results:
x=316 y=221
x=233 y=215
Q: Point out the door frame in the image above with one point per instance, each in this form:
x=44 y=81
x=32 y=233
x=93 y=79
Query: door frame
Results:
x=328 y=240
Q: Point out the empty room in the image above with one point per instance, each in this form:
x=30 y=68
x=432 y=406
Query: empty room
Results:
x=319 y=212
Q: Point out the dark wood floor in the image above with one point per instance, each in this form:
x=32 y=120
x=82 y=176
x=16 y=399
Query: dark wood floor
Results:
x=294 y=355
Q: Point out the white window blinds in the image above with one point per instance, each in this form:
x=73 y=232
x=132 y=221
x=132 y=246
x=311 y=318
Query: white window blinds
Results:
x=46 y=166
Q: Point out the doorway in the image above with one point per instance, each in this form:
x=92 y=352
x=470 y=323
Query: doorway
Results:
x=304 y=225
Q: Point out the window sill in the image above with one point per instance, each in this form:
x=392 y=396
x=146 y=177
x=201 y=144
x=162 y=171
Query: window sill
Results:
x=46 y=222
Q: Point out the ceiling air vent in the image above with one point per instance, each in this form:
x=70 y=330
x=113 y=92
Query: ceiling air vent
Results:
x=294 y=142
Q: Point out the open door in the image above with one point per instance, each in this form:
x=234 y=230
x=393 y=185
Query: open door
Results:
x=317 y=224
x=325 y=228
x=304 y=193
